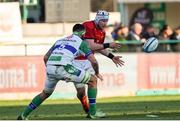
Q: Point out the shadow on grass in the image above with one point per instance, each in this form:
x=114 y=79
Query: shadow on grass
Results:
x=165 y=110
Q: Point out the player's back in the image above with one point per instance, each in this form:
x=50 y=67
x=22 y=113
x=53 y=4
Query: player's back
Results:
x=65 y=50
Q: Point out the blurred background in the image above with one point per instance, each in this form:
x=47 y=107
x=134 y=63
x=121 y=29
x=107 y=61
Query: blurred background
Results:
x=28 y=28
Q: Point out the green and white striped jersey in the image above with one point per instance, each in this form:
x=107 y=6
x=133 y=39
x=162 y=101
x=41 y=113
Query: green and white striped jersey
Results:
x=66 y=49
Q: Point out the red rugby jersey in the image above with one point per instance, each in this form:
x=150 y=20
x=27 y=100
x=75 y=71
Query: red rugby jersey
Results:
x=92 y=32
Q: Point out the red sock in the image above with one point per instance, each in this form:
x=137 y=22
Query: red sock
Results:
x=85 y=104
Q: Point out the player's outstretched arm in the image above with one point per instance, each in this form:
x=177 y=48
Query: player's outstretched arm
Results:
x=46 y=56
x=116 y=59
x=95 y=46
x=95 y=65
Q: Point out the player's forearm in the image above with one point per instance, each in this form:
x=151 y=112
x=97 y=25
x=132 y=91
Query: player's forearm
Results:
x=106 y=53
x=95 y=67
x=94 y=63
x=46 y=56
x=45 y=59
x=95 y=46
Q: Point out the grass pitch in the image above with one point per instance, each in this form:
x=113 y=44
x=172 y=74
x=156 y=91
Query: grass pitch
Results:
x=118 y=108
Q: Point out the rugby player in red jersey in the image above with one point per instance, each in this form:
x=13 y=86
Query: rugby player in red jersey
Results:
x=95 y=36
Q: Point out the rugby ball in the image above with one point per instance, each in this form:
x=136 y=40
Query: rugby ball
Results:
x=150 y=45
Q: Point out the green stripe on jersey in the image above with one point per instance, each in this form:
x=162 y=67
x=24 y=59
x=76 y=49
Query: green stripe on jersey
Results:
x=86 y=78
x=72 y=70
x=55 y=58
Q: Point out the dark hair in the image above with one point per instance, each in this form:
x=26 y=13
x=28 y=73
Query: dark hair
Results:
x=164 y=28
x=78 y=27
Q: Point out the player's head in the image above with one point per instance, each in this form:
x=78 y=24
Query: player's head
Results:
x=79 y=30
x=101 y=18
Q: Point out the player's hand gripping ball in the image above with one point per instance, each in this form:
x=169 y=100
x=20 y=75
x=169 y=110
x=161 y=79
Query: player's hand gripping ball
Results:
x=150 y=45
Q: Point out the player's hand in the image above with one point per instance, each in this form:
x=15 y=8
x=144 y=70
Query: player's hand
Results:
x=114 y=45
x=118 y=60
x=99 y=76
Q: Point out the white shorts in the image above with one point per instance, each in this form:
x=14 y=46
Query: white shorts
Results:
x=86 y=65
x=70 y=73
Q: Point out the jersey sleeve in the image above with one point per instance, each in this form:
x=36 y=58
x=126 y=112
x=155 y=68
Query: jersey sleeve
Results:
x=85 y=49
x=89 y=31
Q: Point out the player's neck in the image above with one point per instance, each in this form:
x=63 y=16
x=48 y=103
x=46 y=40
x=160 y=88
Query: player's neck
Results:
x=97 y=26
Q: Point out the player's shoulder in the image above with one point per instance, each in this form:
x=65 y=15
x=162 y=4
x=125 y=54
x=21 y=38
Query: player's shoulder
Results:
x=76 y=38
x=89 y=24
